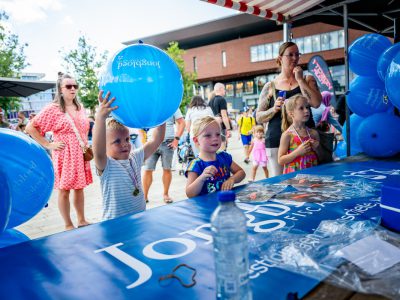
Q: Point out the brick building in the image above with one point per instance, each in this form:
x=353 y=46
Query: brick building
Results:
x=240 y=52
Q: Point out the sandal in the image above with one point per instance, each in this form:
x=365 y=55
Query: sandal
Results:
x=168 y=200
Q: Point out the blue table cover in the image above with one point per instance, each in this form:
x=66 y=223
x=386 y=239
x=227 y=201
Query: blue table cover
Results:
x=125 y=257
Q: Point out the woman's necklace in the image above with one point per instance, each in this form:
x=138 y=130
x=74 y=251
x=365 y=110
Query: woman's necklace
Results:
x=298 y=135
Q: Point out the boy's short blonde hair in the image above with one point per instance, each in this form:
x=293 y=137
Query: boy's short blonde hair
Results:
x=200 y=124
x=112 y=124
x=258 y=128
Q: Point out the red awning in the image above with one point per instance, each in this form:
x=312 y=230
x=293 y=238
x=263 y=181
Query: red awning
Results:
x=278 y=10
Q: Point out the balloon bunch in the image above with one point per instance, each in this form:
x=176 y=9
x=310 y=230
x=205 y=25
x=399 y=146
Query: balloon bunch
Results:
x=146 y=83
x=373 y=95
x=26 y=183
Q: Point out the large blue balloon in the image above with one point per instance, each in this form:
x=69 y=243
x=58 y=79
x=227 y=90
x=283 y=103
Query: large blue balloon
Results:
x=365 y=51
x=5 y=201
x=30 y=173
x=392 y=81
x=147 y=84
x=355 y=122
x=385 y=59
x=379 y=135
x=368 y=96
x=11 y=237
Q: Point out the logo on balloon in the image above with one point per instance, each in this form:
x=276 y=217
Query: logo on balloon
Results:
x=146 y=83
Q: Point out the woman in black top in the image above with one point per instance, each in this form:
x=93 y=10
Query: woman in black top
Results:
x=291 y=81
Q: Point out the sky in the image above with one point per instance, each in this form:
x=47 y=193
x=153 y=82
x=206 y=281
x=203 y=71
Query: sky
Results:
x=50 y=26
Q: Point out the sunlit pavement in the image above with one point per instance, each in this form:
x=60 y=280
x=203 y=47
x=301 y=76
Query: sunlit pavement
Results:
x=49 y=221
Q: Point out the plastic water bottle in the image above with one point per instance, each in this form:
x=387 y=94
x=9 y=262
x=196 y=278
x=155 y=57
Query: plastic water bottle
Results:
x=231 y=255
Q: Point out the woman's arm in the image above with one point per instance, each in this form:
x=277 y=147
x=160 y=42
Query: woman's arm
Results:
x=264 y=114
x=310 y=90
x=35 y=134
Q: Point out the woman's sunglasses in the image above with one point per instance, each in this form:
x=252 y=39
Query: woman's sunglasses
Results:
x=69 y=86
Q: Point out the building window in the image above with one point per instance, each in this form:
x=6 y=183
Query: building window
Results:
x=325 y=37
x=316 y=44
x=341 y=38
x=300 y=44
x=334 y=43
x=195 y=63
x=249 y=87
x=239 y=89
x=224 y=59
x=229 y=90
x=253 y=54
x=307 y=44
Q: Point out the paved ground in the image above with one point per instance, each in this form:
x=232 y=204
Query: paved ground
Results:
x=49 y=221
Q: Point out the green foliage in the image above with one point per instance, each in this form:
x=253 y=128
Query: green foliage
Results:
x=189 y=79
x=84 y=63
x=12 y=60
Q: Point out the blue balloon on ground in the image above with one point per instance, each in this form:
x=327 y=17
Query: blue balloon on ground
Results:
x=365 y=51
x=30 y=173
x=147 y=84
x=5 y=201
x=367 y=96
x=379 y=135
x=12 y=237
x=355 y=122
x=385 y=59
x=392 y=81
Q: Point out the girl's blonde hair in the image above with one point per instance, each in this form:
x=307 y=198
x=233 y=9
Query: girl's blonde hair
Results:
x=289 y=106
x=200 y=124
x=258 y=128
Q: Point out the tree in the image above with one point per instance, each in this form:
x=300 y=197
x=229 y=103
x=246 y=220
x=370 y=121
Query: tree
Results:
x=189 y=79
x=85 y=63
x=12 y=60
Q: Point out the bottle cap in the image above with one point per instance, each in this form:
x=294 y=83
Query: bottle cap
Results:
x=226 y=196
x=390 y=204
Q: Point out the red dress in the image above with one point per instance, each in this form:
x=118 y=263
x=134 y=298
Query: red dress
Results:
x=71 y=171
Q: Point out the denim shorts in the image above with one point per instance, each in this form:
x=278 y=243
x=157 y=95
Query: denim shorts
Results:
x=166 y=154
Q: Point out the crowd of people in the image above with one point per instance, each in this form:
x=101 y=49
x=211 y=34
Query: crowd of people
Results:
x=280 y=136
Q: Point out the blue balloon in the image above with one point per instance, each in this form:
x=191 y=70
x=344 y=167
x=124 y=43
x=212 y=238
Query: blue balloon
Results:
x=147 y=84
x=5 y=201
x=341 y=149
x=378 y=135
x=30 y=173
x=367 y=96
x=365 y=51
x=392 y=81
x=385 y=59
x=355 y=122
x=12 y=237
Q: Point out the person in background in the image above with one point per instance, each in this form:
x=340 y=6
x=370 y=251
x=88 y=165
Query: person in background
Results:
x=197 y=109
x=22 y=119
x=258 y=152
x=291 y=81
x=119 y=167
x=71 y=171
x=220 y=110
x=211 y=170
x=322 y=115
x=166 y=152
x=246 y=124
x=3 y=123
x=299 y=144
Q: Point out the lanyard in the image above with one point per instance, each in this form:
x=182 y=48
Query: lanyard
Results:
x=298 y=135
x=135 y=181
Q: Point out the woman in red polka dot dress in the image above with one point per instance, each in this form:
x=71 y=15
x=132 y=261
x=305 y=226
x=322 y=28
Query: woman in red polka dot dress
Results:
x=71 y=171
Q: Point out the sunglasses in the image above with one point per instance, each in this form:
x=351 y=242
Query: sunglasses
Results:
x=292 y=55
x=69 y=86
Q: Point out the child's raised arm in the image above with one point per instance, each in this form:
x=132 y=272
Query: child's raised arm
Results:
x=99 y=130
x=238 y=175
x=195 y=182
x=157 y=138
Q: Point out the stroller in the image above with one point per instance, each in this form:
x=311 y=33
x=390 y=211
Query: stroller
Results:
x=185 y=153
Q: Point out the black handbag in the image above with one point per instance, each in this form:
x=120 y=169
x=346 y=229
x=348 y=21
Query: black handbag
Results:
x=327 y=145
